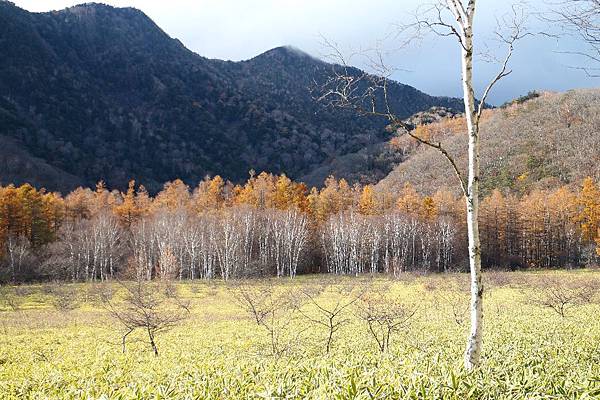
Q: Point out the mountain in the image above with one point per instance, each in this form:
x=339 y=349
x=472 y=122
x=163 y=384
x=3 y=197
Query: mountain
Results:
x=544 y=142
x=95 y=92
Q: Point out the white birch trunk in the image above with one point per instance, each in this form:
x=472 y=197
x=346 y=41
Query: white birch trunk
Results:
x=474 y=341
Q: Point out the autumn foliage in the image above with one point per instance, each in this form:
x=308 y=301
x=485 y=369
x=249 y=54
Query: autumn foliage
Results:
x=274 y=225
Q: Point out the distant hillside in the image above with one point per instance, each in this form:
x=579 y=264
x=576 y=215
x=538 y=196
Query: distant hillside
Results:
x=94 y=92
x=545 y=142
x=373 y=162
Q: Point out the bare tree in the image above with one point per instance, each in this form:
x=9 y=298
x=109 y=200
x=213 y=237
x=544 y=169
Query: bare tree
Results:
x=144 y=254
x=561 y=295
x=168 y=229
x=444 y=232
x=384 y=317
x=369 y=95
x=397 y=240
x=372 y=243
x=18 y=250
x=289 y=233
x=342 y=240
x=271 y=308
x=394 y=243
x=107 y=238
x=192 y=242
x=227 y=242
x=66 y=255
x=207 y=247
x=457 y=301
x=263 y=239
x=64 y=298
x=88 y=249
x=331 y=315
x=246 y=217
x=146 y=307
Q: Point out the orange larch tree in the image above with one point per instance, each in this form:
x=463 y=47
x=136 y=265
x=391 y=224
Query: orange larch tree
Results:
x=127 y=211
x=367 y=204
x=409 y=201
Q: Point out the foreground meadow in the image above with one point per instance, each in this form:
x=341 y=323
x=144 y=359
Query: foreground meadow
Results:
x=70 y=347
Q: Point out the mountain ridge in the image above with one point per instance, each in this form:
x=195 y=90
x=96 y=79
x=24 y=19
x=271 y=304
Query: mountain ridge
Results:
x=104 y=93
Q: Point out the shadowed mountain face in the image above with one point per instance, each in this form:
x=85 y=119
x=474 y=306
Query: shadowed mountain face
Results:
x=94 y=92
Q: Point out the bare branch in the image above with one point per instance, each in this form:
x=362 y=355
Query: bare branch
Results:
x=518 y=32
x=438 y=146
x=438 y=25
x=581 y=18
x=368 y=95
x=145 y=307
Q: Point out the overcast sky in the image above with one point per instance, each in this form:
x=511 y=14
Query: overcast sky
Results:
x=241 y=29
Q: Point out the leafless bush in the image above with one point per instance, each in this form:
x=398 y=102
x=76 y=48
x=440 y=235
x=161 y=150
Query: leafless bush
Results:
x=431 y=285
x=48 y=288
x=14 y=302
x=13 y=298
x=498 y=278
x=384 y=317
x=213 y=290
x=23 y=291
x=561 y=295
x=332 y=314
x=457 y=301
x=64 y=298
x=146 y=307
x=195 y=288
x=406 y=278
x=169 y=289
x=270 y=308
x=98 y=293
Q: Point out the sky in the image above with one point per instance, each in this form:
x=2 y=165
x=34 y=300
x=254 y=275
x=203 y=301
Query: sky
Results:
x=241 y=29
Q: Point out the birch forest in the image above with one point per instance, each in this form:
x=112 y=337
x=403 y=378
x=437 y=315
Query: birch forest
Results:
x=272 y=226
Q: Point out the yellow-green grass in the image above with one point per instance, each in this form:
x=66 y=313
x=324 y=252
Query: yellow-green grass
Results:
x=219 y=352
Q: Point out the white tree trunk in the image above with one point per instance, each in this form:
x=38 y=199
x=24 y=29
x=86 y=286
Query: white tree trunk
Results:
x=474 y=341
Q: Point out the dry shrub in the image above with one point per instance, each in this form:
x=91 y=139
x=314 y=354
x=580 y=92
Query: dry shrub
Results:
x=497 y=279
x=49 y=288
x=64 y=298
x=208 y=288
x=13 y=298
x=431 y=285
x=332 y=312
x=560 y=295
x=23 y=291
x=169 y=288
x=452 y=282
x=272 y=308
x=405 y=277
x=454 y=296
x=98 y=293
x=146 y=307
x=384 y=317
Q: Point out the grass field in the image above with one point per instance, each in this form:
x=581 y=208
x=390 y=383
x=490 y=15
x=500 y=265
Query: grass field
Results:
x=530 y=352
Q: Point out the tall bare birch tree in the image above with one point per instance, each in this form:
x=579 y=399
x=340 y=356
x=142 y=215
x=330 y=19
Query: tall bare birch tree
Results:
x=368 y=94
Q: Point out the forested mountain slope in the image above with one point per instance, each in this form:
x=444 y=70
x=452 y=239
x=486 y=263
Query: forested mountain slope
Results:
x=545 y=142
x=103 y=93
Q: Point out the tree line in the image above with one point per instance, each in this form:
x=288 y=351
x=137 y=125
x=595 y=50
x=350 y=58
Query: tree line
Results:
x=273 y=226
